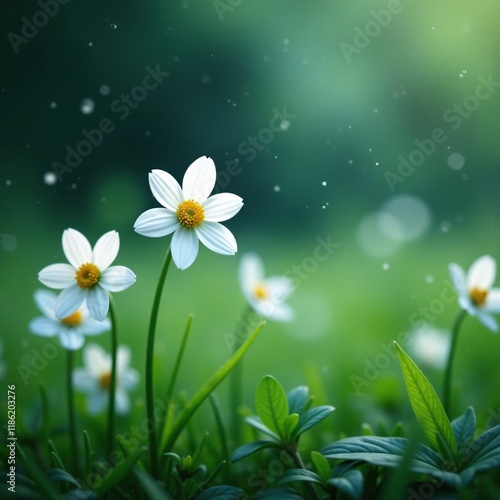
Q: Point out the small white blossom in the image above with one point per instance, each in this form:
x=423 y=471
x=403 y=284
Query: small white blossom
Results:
x=72 y=329
x=94 y=379
x=88 y=275
x=190 y=213
x=475 y=294
x=431 y=345
x=266 y=296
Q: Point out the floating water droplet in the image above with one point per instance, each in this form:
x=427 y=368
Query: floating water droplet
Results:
x=53 y=105
x=445 y=226
x=91 y=44
x=277 y=189
x=463 y=73
x=429 y=278
x=205 y=79
x=456 y=161
x=285 y=125
x=324 y=183
x=286 y=41
x=113 y=26
x=87 y=106
x=8 y=182
x=49 y=178
x=147 y=133
x=385 y=266
x=104 y=89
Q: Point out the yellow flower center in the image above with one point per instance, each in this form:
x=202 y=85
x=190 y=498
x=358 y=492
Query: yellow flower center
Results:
x=105 y=381
x=261 y=291
x=87 y=275
x=478 y=296
x=190 y=214
x=73 y=320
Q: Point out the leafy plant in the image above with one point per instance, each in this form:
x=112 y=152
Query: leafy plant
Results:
x=453 y=458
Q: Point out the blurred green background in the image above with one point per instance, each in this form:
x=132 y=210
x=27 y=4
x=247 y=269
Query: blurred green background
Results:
x=233 y=66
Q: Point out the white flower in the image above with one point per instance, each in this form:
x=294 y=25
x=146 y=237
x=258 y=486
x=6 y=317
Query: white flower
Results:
x=475 y=294
x=72 y=329
x=266 y=296
x=95 y=378
x=88 y=275
x=431 y=345
x=190 y=213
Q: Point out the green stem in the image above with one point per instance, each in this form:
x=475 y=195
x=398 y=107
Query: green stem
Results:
x=175 y=372
x=449 y=366
x=153 y=446
x=236 y=379
x=294 y=453
x=112 y=382
x=71 y=412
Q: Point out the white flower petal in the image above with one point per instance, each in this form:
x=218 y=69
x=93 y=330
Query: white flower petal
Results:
x=280 y=312
x=466 y=304
x=156 y=222
x=184 y=247
x=44 y=327
x=122 y=402
x=46 y=302
x=57 y=275
x=122 y=358
x=488 y=321
x=165 y=189
x=129 y=379
x=96 y=360
x=199 y=179
x=71 y=340
x=251 y=272
x=98 y=302
x=84 y=381
x=93 y=327
x=222 y=206
x=117 y=278
x=69 y=301
x=458 y=278
x=106 y=250
x=76 y=248
x=280 y=288
x=97 y=402
x=482 y=273
x=493 y=301
x=217 y=238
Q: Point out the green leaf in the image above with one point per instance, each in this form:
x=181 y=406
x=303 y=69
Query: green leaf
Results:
x=322 y=465
x=150 y=486
x=350 y=483
x=312 y=417
x=271 y=404
x=199 y=450
x=290 y=425
x=187 y=412
x=88 y=453
x=221 y=493
x=60 y=475
x=426 y=404
x=249 y=448
x=56 y=461
x=297 y=399
x=115 y=474
x=483 y=454
x=389 y=452
x=256 y=422
x=464 y=427
x=278 y=494
x=300 y=475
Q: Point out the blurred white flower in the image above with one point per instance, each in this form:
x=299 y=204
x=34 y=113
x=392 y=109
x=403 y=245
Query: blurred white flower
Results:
x=72 y=329
x=475 y=294
x=431 y=345
x=266 y=296
x=88 y=275
x=94 y=379
x=190 y=213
